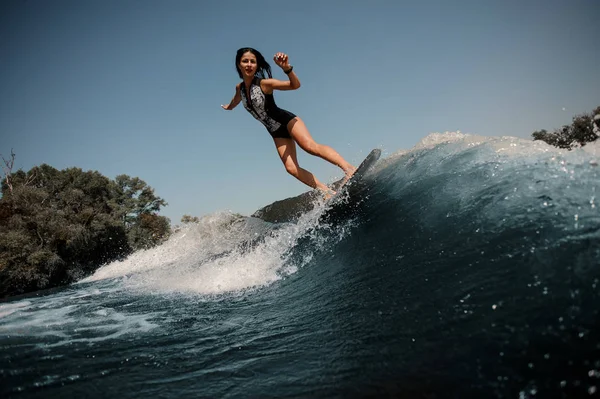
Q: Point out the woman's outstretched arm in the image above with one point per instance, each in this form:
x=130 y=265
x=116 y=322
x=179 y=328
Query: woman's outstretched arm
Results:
x=235 y=100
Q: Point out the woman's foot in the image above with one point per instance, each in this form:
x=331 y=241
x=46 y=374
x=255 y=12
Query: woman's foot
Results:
x=327 y=193
x=349 y=172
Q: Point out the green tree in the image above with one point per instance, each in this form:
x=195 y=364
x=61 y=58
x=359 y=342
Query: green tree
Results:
x=189 y=219
x=578 y=133
x=59 y=225
x=149 y=230
x=136 y=204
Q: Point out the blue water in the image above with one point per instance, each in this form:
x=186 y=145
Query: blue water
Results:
x=470 y=267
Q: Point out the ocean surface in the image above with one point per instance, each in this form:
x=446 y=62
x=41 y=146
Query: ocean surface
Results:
x=468 y=266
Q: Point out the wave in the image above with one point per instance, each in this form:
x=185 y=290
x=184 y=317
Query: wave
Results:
x=467 y=266
x=446 y=189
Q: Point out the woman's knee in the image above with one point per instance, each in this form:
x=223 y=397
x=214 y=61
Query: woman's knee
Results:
x=291 y=168
x=312 y=148
x=301 y=136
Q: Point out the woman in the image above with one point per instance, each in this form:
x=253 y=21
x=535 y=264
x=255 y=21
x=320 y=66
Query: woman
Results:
x=256 y=92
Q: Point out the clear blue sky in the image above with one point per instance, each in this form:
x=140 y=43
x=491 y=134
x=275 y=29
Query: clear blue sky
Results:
x=135 y=86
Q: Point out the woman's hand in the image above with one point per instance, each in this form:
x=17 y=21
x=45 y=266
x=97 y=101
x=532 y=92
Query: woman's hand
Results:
x=237 y=97
x=281 y=59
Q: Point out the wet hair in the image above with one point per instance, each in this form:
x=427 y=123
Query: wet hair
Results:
x=263 y=69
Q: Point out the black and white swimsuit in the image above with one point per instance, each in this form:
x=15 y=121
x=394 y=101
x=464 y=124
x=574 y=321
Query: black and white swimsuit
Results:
x=262 y=107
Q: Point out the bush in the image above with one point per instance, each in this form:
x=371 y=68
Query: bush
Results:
x=579 y=133
x=57 y=226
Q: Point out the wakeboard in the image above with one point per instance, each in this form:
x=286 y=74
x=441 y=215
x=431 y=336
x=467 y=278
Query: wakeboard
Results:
x=353 y=183
x=352 y=195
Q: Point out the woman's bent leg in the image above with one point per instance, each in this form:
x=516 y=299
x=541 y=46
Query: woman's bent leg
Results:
x=302 y=136
x=286 y=148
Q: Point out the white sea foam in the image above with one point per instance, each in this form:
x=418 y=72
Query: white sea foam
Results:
x=223 y=253
x=67 y=317
x=216 y=256
x=6 y=309
x=433 y=139
x=505 y=146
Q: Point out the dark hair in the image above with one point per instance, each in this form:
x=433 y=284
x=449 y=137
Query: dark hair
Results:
x=263 y=68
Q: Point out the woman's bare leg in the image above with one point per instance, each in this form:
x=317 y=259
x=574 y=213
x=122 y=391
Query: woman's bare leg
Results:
x=301 y=135
x=287 y=152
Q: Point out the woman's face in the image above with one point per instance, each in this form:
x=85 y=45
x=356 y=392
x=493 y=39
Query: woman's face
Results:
x=248 y=64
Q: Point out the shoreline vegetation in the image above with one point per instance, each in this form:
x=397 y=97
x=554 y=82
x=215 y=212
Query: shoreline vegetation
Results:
x=584 y=129
x=58 y=226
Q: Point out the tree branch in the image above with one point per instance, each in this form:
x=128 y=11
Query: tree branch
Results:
x=7 y=168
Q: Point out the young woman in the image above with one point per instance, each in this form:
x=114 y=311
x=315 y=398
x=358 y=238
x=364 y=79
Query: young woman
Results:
x=256 y=92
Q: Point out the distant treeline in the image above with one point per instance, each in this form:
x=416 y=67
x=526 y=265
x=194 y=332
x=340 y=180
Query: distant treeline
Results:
x=584 y=129
x=57 y=226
